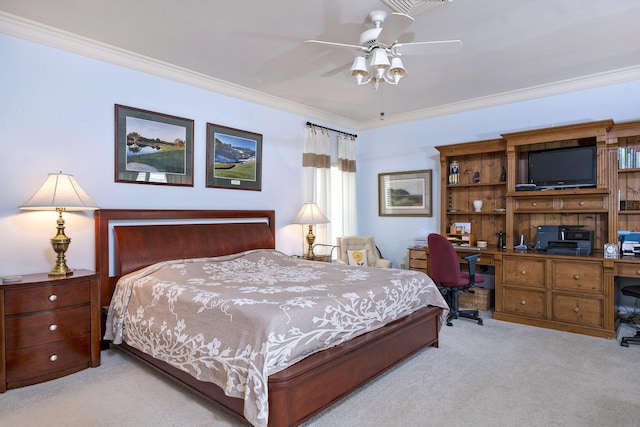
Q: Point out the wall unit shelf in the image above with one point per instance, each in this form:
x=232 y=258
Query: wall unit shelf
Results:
x=571 y=293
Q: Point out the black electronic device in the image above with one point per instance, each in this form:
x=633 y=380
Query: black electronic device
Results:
x=569 y=247
x=563 y=167
x=566 y=239
x=526 y=187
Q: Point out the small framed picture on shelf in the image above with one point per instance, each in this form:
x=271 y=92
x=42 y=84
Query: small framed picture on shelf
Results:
x=405 y=193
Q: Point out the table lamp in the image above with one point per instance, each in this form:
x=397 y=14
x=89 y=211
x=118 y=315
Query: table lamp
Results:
x=310 y=214
x=60 y=192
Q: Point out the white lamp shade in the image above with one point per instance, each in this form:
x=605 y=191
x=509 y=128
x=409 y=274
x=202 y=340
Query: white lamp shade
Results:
x=397 y=70
x=379 y=59
x=60 y=191
x=310 y=214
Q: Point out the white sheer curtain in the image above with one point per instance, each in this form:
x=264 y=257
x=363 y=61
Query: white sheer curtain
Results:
x=347 y=170
x=316 y=166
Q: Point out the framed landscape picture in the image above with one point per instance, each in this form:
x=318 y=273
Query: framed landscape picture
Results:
x=405 y=193
x=153 y=148
x=234 y=158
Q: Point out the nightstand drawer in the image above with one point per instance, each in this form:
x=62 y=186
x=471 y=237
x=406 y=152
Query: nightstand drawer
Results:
x=50 y=297
x=46 y=359
x=46 y=327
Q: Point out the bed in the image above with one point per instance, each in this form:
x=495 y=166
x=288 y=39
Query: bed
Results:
x=142 y=245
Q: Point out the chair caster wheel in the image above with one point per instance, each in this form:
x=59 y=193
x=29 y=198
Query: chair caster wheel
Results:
x=624 y=344
x=479 y=321
x=449 y=324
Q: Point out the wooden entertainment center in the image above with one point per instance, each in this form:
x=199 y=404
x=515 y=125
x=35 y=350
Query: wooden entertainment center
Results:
x=567 y=292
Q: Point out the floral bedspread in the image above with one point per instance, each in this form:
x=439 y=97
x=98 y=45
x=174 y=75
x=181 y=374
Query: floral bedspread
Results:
x=234 y=320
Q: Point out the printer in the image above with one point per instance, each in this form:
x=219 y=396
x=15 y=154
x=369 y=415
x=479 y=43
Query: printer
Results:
x=564 y=239
x=630 y=243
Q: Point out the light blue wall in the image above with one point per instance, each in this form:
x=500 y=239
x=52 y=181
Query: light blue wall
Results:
x=57 y=114
x=411 y=147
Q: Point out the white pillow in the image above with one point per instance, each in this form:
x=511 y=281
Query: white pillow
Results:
x=358 y=257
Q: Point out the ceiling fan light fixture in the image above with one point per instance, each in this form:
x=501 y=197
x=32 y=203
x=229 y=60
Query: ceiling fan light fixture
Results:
x=397 y=70
x=379 y=59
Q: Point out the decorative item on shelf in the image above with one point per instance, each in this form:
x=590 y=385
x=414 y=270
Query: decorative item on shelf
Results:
x=60 y=192
x=481 y=243
x=611 y=250
x=454 y=172
x=503 y=175
x=310 y=214
x=477 y=205
x=500 y=235
x=476 y=177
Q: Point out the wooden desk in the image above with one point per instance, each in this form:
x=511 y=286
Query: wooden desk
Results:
x=568 y=293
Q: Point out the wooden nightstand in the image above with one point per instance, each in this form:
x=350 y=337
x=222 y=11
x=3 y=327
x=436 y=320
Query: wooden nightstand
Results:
x=50 y=328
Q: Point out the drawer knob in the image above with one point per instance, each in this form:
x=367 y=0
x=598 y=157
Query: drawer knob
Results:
x=577 y=309
x=523 y=302
x=523 y=272
x=53 y=327
x=534 y=204
x=576 y=277
x=53 y=357
x=581 y=203
x=53 y=297
x=638 y=272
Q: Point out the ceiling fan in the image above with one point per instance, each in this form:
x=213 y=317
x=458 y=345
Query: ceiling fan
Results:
x=380 y=43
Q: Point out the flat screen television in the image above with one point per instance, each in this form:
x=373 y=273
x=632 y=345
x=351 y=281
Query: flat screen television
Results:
x=563 y=167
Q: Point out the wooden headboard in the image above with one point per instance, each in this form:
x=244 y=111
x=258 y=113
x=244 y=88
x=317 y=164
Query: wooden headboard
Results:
x=143 y=241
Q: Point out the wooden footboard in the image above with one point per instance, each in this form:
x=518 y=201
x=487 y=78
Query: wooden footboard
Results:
x=313 y=384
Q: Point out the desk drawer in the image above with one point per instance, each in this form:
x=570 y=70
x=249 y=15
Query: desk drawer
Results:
x=587 y=203
x=417 y=254
x=523 y=271
x=524 y=302
x=627 y=269
x=581 y=311
x=529 y=204
x=418 y=263
x=578 y=276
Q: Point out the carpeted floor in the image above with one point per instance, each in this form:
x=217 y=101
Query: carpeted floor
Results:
x=498 y=374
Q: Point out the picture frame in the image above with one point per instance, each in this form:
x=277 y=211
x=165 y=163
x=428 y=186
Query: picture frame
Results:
x=153 y=148
x=234 y=158
x=405 y=193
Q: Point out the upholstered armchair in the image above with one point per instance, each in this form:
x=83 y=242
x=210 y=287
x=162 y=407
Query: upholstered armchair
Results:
x=360 y=250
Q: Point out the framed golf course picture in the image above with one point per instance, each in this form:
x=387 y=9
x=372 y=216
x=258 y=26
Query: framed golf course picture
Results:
x=153 y=148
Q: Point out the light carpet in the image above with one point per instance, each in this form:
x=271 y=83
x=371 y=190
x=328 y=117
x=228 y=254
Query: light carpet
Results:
x=498 y=374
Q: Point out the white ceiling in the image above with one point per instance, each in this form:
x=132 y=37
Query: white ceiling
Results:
x=512 y=49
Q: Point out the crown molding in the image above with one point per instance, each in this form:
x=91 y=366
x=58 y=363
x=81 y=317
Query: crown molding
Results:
x=557 y=88
x=49 y=36
x=16 y=26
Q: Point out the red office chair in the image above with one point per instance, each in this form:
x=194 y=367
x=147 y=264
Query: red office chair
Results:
x=445 y=271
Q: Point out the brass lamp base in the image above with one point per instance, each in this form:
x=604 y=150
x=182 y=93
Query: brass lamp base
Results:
x=310 y=239
x=60 y=243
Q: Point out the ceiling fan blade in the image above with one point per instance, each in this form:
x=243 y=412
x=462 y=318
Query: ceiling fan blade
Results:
x=351 y=46
x=432 y=47
x=393 y=27
x=337 y=70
